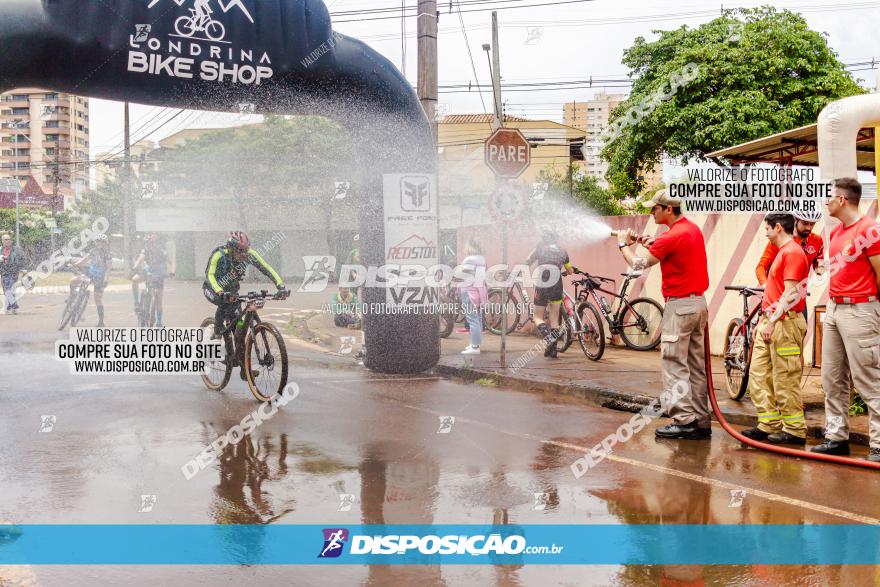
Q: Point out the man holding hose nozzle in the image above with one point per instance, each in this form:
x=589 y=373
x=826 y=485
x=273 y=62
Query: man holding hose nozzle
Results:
x=775 y=371
x=681 y=252
x=851 y=330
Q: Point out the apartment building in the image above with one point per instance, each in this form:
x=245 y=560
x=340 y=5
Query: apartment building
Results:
x=46 y=135
x=592 y=116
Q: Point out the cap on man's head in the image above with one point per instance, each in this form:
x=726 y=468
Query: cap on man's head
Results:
x=662 y=198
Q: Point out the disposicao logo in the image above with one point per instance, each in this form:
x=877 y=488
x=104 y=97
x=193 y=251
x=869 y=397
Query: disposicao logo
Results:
x=334 y=541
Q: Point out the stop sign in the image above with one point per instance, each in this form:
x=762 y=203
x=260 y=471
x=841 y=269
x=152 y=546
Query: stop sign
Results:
x=507 y=153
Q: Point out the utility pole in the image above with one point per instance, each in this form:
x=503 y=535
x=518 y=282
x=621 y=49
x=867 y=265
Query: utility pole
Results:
x=126 y=203
x=56 y=181
x=427 y=82
x=496 y=73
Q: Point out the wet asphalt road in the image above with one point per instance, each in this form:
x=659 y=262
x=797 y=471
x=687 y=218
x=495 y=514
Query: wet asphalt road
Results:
x=376 y=437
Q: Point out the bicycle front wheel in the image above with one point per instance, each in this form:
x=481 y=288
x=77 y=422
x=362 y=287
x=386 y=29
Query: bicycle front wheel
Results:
x=216 y=373
x=735 y=352
x=592 y=335
x=265 y=361
x=67 y=313
x=567 y=326
x=80 y=308
x=640 y=324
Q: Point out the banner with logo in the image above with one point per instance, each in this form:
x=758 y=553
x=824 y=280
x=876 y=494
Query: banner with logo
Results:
x=411 y=236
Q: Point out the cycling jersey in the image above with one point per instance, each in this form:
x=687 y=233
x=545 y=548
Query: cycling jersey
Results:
x=223 y=273
x=549 y=254
x=155 y=261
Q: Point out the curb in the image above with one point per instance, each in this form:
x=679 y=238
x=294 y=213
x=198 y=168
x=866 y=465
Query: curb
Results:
x=602 y=396
x=63 y=289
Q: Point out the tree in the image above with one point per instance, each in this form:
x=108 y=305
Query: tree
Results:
x=744 y=75
x=258 y=163
x=583 y=189
x=105 y=201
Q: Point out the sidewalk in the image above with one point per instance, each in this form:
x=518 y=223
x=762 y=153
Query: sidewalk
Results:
x=623 y=379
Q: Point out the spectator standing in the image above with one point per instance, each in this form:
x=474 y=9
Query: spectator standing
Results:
x=851 y=329
x=474 y=296
x=12 y=265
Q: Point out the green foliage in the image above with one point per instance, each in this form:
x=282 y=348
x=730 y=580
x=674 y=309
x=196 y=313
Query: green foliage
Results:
x=760 y=72
x=105 y=201
x=34 y=233
x=258 y=162
x=583 y=189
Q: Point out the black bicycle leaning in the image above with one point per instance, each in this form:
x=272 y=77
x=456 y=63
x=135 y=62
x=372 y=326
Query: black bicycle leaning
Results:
x=739 y=340
x=265 y=354
x=636 y=321
x=77 y=301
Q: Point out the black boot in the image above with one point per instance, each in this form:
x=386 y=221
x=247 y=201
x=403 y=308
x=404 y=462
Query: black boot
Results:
x=550 y=338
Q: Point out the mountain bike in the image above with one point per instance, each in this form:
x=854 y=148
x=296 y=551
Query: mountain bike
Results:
x=449 y=298
x=148 y=304
x=265 y=354
x=187 y=26
x=583 y=325
x=77 y=301
x=739 y=340
x=519 y=308
x=637 y=321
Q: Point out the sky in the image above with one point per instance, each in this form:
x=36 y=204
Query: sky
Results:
x=551 y=43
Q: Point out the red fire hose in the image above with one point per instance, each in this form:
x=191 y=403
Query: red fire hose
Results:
x=772 y=447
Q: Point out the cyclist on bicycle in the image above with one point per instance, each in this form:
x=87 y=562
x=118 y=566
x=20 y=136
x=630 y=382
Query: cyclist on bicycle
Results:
x=549 y=254
x=202 y=11
x=99 y=262
x=226 y=268
x=812 y=244
x=152 y=263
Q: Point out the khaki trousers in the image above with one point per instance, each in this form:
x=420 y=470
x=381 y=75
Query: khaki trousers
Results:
x=775 y=377
x=851 y=345
x=683 y=358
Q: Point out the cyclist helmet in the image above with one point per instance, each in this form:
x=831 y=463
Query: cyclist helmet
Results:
x=101 y=238
x=239 y=240
x=813 y=216
x=151 y=238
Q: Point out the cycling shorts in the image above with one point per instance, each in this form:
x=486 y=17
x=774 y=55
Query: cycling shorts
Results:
x=549 y=295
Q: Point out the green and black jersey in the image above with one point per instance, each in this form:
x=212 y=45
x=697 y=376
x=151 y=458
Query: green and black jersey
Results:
x=224 y=274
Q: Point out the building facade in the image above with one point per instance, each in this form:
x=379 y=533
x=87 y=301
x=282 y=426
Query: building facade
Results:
x=46 y=135
x=592 y=117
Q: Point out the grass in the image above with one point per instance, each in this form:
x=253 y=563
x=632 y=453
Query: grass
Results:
x=489 y=381
x=64 y=279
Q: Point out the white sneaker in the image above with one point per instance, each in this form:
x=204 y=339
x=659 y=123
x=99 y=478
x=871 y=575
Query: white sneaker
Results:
x=471 y=350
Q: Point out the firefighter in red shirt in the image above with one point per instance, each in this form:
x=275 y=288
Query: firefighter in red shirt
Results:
x=681 y=253
x=775 y=371
x=812 y=244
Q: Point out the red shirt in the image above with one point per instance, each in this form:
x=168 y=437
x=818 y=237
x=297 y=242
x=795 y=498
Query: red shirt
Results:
x=791 y=264
x=682 y=254
x=813 y=246
x=854 y=278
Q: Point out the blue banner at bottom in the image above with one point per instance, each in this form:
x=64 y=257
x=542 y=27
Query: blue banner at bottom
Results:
x=439 y=544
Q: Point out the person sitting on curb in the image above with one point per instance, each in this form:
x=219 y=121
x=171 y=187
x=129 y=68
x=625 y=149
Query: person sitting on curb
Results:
x=775 y=371
x=344 y=307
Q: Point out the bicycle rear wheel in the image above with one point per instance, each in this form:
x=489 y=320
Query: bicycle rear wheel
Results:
x=150 y=309
x=493 y=314
x=735 y=369
x=446 y=324
x=67 y=313
x=216 y=374
x=265 y=361
x=592 y=337
x=568 y=327
x=640 y=324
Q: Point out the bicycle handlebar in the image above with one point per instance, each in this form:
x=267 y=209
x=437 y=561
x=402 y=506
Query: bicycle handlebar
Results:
x=743 y=288
x=263 y=295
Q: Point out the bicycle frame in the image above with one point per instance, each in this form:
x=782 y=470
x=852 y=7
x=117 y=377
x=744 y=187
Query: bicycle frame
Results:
x=614 y=323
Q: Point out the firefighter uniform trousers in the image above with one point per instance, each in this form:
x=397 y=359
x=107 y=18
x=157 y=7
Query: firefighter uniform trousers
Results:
x=683 y=358
x=851 y=344
x=775 y=376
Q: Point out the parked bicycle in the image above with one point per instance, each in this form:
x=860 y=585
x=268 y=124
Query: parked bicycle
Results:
x=574 y=327
x=77 y=301
x=637 y=321
x=265 y=354
x=739 y=340
x=449 y=298
x=520 y=309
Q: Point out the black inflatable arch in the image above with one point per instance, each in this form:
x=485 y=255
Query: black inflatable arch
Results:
x=280 y=55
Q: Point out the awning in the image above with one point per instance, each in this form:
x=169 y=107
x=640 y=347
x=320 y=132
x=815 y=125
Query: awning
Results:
x=799 y=146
